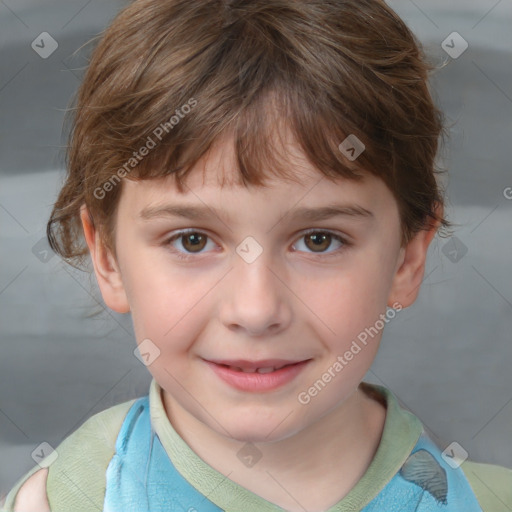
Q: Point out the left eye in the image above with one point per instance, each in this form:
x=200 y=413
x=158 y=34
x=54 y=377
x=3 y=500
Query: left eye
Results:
x=195 y=241
x=319 y=240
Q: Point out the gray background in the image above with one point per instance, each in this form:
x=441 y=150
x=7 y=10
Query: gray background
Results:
x=447 y=358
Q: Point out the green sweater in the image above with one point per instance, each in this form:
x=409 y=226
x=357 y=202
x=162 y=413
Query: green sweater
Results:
x=76 y=479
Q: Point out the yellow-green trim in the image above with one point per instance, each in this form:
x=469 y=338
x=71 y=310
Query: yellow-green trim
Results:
x=401 y=433
x=76 y=479
x=491 y=484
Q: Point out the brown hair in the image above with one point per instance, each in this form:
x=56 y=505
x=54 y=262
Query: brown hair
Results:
x=173 y=76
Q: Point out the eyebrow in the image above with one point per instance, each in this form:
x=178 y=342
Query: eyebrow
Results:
x=305 y=213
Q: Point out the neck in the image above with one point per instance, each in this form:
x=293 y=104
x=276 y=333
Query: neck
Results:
x=312 y=469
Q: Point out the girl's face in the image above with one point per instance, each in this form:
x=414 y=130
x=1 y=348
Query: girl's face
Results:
x=226 y=284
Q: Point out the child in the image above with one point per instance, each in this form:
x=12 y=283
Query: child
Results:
x=292 y=144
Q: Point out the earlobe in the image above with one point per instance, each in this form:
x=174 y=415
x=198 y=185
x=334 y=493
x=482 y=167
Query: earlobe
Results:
x=411 y=268
x=106 y=268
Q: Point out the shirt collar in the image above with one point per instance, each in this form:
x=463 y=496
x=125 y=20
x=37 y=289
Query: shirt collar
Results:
x=401 y=432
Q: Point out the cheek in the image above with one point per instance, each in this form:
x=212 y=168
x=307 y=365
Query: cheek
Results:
x=351 y=299
x=166 y=302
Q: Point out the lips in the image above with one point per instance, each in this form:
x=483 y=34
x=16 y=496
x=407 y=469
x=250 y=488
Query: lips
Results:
x=259 y=370
x=262 y=366
x=257 y=376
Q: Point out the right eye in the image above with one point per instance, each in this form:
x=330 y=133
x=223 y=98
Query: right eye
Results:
x=192 y=240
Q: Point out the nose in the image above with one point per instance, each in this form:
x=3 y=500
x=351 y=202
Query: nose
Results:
x=254 y=298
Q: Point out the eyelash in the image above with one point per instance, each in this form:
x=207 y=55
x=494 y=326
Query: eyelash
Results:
x=188 y=256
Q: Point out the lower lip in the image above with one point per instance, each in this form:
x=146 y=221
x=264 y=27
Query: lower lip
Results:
x=257 y=382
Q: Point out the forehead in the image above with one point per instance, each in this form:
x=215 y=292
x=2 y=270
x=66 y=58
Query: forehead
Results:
x=215 y=182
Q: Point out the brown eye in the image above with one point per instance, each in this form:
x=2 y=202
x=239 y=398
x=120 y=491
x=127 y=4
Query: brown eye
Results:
x=193 y=242
x=321 y=243
x=318 y=241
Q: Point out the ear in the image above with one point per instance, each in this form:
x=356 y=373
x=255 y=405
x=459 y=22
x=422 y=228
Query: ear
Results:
x=411 y=266
x=106 y=268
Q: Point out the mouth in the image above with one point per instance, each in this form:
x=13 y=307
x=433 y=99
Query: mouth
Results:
x=257 y=376
x=261 y=366
x=259 y=369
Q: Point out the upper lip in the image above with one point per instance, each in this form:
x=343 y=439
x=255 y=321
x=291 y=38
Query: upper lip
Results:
x=254 y=365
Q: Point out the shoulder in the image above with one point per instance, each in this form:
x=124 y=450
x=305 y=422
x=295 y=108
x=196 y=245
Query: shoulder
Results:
x=83 y=455
x=32 y=495
x=105 y=424
x=94 y=440
x=491 y=484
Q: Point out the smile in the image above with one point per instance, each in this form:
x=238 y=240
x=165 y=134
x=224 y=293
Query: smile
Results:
x=268 y=369
x=257 y=376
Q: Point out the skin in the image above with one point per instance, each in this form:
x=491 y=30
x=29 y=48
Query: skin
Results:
x=289 y=303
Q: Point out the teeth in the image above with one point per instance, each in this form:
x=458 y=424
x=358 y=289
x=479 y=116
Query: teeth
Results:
x=266 y=370
x=238 y=369
x=269 y=369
